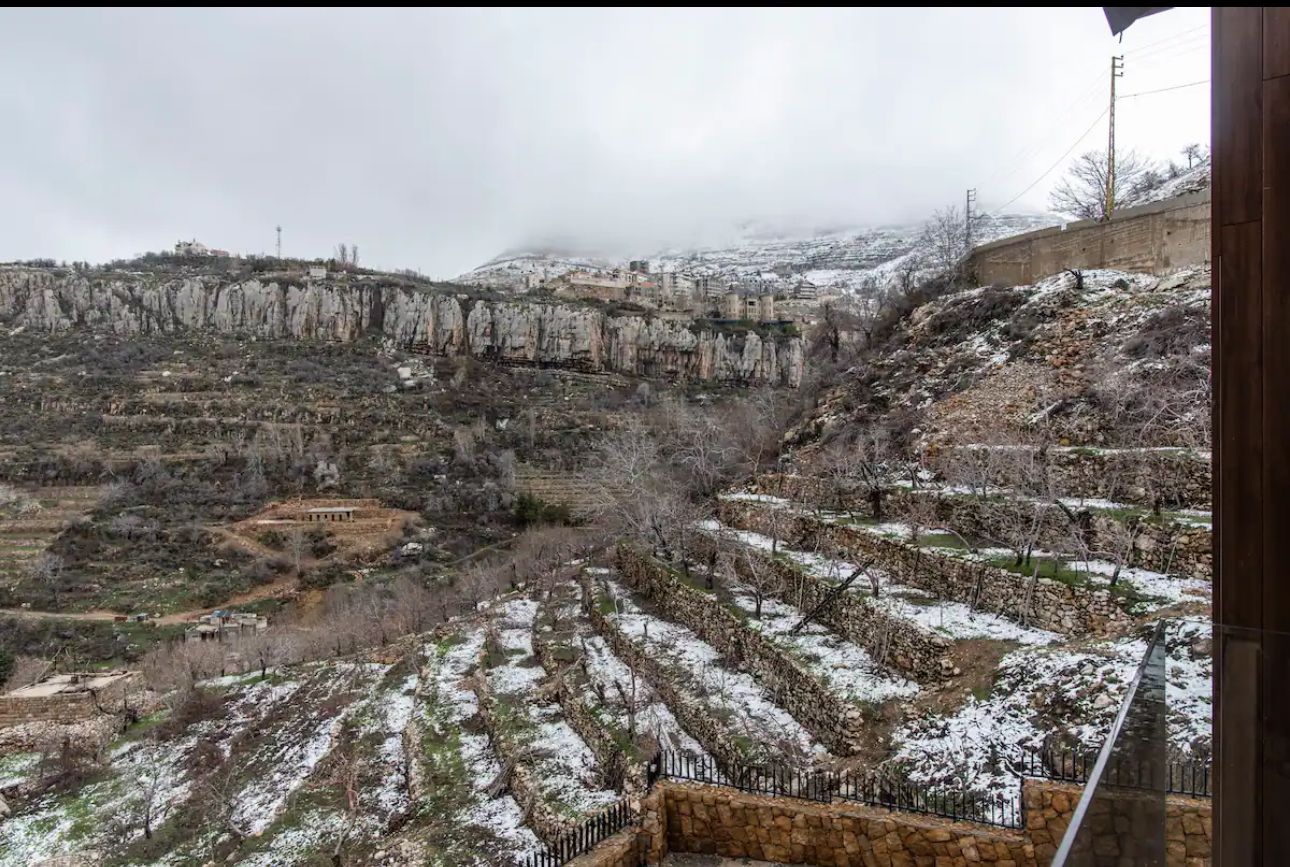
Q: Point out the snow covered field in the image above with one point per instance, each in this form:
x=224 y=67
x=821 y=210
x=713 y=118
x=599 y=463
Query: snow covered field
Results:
x=609 y=684
x=460 y=765
x=1072 y=691
x=564 y=767
x=950 y=619
x=696 y=667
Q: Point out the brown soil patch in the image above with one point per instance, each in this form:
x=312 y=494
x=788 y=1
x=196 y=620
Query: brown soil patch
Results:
x=370 y=532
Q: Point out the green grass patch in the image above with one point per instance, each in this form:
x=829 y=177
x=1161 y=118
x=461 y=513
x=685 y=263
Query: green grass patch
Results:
x=1052 y=569
x=942 y=540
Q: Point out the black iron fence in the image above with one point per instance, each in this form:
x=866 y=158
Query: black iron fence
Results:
x=1182 y=777
x=585 y=837
x=874 y=790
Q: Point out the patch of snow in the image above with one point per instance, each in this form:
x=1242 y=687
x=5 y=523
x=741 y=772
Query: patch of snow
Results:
x=697 y=665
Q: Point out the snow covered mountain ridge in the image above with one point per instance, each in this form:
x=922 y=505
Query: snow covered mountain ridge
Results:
x=844 y=260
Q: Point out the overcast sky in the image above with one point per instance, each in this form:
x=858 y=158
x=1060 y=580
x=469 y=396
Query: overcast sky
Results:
x=435 y=140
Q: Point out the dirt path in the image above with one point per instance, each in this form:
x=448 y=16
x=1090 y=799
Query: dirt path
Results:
x=279 y=588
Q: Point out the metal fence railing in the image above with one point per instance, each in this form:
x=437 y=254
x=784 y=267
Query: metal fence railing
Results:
x=874 y=790
x=1192 y=778
x=582 y=839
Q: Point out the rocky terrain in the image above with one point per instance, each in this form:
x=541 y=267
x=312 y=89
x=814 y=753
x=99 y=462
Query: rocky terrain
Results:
x=440 y=321
x=939 y=580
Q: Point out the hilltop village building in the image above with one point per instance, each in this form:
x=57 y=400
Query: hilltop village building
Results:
x=197 y=248
x=685 y=296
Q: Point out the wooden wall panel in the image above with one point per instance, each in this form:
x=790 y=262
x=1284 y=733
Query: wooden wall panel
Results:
x=1276 y=41
x=1239 y=338
x=1276 y=351
x=1237 y=94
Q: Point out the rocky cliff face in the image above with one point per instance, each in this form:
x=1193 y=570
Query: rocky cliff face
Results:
x=517 y=331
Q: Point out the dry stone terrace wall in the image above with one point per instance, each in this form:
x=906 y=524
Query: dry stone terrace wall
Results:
x=694 y=717
x=547 y=822
x=1038 y=602
x=441 y=323
x=584 y=720
x=1166 y=546
x=1178 y=476
x=838 y=723
x=890 y=640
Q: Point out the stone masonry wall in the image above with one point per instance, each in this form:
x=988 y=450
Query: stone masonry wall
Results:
x=894 y=641
x=68 y=707
x=838 y=723
x=693 y=714
x=732 y=824
x=1167 y=546
x=584 y=720
x=1175 y=476
x=1039 y=602
x=547 y=822
x=1050 y=805
x=621 y=850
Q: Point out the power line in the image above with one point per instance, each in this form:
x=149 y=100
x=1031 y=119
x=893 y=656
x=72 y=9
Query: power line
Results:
x=1173 y=53
x=1016 y=162
x=1164 y=89
x=1170 y=38
x=1166 y=47
x=1060 y=160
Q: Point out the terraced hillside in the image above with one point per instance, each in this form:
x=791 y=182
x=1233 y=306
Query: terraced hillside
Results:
x=500 y=732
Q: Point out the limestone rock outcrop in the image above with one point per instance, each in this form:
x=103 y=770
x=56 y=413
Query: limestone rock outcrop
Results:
x=59 y=300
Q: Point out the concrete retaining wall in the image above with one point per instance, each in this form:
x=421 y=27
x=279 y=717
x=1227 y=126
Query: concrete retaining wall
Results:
x=1154 y=238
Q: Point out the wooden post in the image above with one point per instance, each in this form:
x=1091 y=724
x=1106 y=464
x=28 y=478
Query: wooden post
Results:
x=1251 y=468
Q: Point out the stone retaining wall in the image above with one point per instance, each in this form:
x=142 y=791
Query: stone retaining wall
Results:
x=1039 y=602
x=890 y=640
x=689 y=817
x=547 y=822
x=617 y=769
x=621 y=850
x=1176 y=476
x=1155 y=238
x=839 y=724
x=692 y=713
x=1171 y=547
x=69 y=707
x=732 y=824
x=1050 y=805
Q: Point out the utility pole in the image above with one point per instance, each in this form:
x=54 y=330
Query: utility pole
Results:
x=967 y=218
x=1117 y=70
x=279 y=242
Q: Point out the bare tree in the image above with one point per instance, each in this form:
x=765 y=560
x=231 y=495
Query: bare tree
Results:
x=1082 y=193
x=47 y=571
x=945 y=242
x=1194 y=153
x=148 y=784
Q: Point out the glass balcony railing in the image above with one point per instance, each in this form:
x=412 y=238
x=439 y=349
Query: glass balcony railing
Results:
x=1120 y=818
